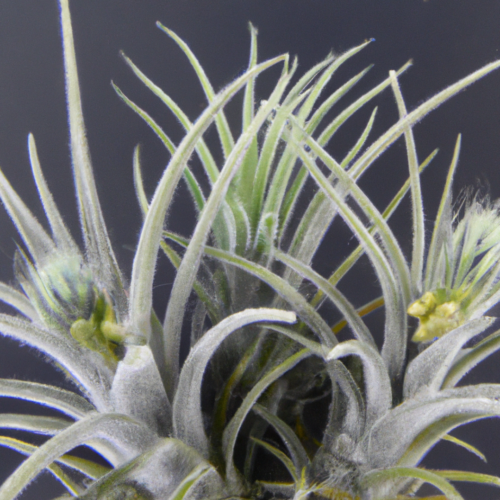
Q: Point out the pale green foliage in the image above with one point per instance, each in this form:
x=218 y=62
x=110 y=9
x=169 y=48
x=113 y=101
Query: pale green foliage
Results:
x=260 y=352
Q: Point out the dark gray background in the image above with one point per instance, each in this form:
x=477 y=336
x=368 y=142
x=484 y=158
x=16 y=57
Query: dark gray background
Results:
x=447 y=39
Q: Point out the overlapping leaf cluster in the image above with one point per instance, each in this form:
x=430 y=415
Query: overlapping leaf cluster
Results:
x=261 y=355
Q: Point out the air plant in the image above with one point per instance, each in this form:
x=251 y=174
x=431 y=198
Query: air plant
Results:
x=260 y=352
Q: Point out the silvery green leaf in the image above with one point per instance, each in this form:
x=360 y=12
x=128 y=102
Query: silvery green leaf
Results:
x=304 y=247
x=466 y=446
x=294 y=191
x=222 y=125
x=418 y=248
x=138 y=184
x=394 y=349
x=65 y=401
x=348 y=186
x=183 y=490
x=19 y=301
x=86 y=467
x=430 y=368
x=232 y=430
x=117 y=437
x=398 y=129
x=59 y=474
x=282 y=288
x=288 y=436
x=138 y=390
x=320 y=84
x=98 y=246
x=313 y=123
x=373 y=478
x=470 y=358
x=473 y=477
x=282 y=457
x=61 y=235
x=320 y=203
x=33 y=423
x=263 y=169
x=159 y=472
x=192 y=183
x=245 y=175
x=149 y=242
x=186 y=273
x=392 y=439
x=377 y=383
x=341 y=271
x=276 y=195
x=347 y=412
x=339 y=120
x=312 y=345
x=86 y=368
x=489 y=391
x=224 y=228
x=188 y=417
x=34 y=236
x=350 y=314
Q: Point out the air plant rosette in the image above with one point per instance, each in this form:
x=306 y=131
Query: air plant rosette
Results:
x=260 y=352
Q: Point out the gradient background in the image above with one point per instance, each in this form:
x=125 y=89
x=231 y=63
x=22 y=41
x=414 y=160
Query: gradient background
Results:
x=447 y=39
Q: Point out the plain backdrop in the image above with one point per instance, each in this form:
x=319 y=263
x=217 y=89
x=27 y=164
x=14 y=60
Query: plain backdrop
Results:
x=447 y=39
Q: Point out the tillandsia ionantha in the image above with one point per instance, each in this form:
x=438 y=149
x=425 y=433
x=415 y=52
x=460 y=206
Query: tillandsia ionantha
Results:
x=260 y=353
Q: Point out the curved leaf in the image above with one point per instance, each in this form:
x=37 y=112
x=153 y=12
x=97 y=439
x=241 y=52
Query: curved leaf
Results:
x=430 y=368
x=145 y=257
x=192 y=183
x=350 y=314
x=341 y=271
x=418 y=248
x=56 y=471
x=408 y=431
x=294 y=191
x=138 y=184
x=123 y=437
x=288 y=436
x=470 y=358
x=232 y=430
x=381 y=476
x=280 y=456
x=187 y=414
x=466 y=446
x=18 y=300
x=473 y=477
x=186 y=484
x=394 y=349
x=223 y=128
x=33 y=423
x=68 y=402
x=86 y=467
x=186 y=273
x=398 y=129
x=86 y=368
x=282 y=288
x=376 y=378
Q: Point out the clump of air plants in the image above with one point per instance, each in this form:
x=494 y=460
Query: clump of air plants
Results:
x=260 y=352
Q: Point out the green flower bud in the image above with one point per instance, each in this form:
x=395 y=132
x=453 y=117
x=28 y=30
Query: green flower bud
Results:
x=62 y=290
x=438 y=314
x=101 y=332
